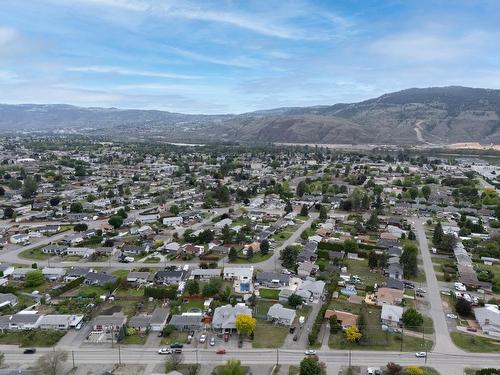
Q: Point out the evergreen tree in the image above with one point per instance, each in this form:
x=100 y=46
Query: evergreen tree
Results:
x=304 y=211
x=437 y=237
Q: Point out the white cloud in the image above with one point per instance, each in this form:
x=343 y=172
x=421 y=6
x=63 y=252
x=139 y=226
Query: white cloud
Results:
x=129 y=72
x=7 y=76
x=419 y=46
x=238 y=62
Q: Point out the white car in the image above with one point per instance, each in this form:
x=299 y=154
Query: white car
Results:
x=420 y=290
x=203 y=338
x=452 y=316
x=421 y=354
x=212 y=341
x=165 y=351
x=310 y=352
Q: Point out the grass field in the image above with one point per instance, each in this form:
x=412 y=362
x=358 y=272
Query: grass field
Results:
x=476 y=344
x=269 y=293
x=35 y=338
x=152 y=260
x=34 y=254
x=257 y=258
x=176 y=336
x=192 y=304
x=360 y=268
x=268 y=335
x=135 y=339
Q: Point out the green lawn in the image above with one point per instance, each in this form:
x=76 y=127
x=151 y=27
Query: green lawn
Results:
x=282 y=235
x=430 y=371
x=36 y=338
x=360 y=268
x=72 y=258
x=152 y=260
x=34 y=254
x=268 y=335
x=176 y=336
x=269 y=293
x=428 y=326
x=120 y=273
x=293 y=370
x=476 y=344
x=192 y=304
x=135 y=339
x=133 y=292
x=375 y=338
x=257 y=258
x=91 y=291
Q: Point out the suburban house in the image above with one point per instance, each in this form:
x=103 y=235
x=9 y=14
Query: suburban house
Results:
x=345 y=319
x=316 y=288
x=109 y=322
x=139 y=322
x=488 y=318
x=281 y=315
x=391 y=315
x=138 y=277
x=170 y=277
x=24 y=321
x=59 y=322
x=272 y=279
x=135 y=250
x=389 y=296
x=171 y=221
x=158 y=319
x=186 y=322
x=394 y=271
x=53 y=274
x=225 y=316
x=99 y=278
x=84 y=252
x=76 y=272
x=306 y=269
x=242 y=277
x=54 y=249
x=205 y=273
x=8 y=299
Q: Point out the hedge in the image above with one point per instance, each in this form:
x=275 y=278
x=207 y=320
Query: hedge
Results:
x=65 y=287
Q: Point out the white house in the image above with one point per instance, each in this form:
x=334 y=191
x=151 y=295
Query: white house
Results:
x=281 y=315
x=391 y=315
x=170 y=221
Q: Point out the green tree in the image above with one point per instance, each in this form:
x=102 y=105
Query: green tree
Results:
x=295 y=300
x=232 y=367
x=335 y=326
x=463 y=307
x=80 y=227
x=52 y=363
x=233 y=254
x=426 y=191
x=264 y=247
x=412 y=318
x=304 y=211
x=116 y=221
x=289 y=208
x=174 y=209
x=301 y=188
x=288 y=257
x=76 y=207
x=438 y=234
x=192 y=287
x=323 y=213
x=408 y=260
x=227 y=234
x=34 y=278
x=372 y=260
x=372 y=223
x=312 y=366
x=29 y=187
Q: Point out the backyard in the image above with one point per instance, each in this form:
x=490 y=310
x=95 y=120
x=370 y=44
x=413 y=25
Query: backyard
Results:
x=268 y=335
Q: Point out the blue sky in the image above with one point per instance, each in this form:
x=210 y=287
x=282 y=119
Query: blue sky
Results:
x=240 y=56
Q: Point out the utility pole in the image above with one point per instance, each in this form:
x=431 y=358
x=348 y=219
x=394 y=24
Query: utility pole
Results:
x=73 y=357
x=402 y=336
x=277 y=356
x=119 y=355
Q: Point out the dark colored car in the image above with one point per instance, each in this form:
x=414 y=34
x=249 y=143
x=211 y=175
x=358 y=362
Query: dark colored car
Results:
x=29 y=351
x=295 y=338
x=176 y=345
x=240 y=343
x=177 y=351
x=292 y=329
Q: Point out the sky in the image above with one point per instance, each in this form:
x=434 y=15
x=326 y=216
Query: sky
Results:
x=240 y=56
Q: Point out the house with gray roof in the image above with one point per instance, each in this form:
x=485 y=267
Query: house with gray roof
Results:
x=8 y=299
x=273 y=279
x=225 y=316
x=186 y=322
x=281 y=315
x=488 y=318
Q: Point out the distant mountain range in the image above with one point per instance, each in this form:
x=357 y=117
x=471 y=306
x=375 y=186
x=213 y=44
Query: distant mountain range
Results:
x=437 y=115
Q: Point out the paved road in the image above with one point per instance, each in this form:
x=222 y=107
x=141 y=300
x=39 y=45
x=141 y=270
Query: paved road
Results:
x=443 y=342
x=261 y=356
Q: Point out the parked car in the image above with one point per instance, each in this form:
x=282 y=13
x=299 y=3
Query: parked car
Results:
x=29 y=351
x=221 y=351
x=421 y=354
x=472 y=329
x=240 y=343
x=310 y=352
x=178 y=351
x=295 y=337
x=212 y=341
x=292 y=329
x=451 y=316
x=420 y=290
x=409 y=285
x=176 y=345
x=203 y=338
x=165 y=351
